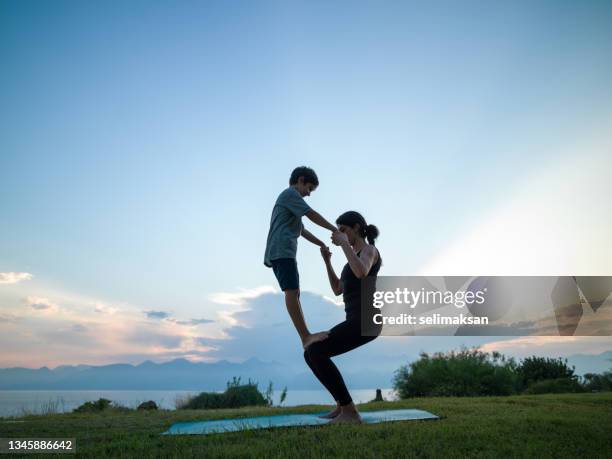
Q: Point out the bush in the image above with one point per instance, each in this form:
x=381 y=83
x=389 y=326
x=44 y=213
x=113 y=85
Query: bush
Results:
x=473 y=372
x=99 y=405
x=464 y=373
x=235 y=396
x=594 y=382
x=150 y=405
x=555 y=386
x=534 y=369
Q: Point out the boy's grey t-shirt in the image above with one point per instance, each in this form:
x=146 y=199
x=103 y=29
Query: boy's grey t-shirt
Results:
x=285 y=225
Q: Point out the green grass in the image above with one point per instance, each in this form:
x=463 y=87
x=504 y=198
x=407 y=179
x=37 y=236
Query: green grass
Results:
x=551 y=425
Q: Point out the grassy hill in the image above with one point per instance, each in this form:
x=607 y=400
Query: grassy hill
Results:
x=551 y=425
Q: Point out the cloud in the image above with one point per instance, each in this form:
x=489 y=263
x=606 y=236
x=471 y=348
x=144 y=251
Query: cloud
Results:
x=40 y=303
x=9 y=318
x=336 y=301
x=514 y=329
x=163 y=315
x=157 y=314
x=264 y=329
x=59 y=327
x=525 y=346
x=241 y=297
x=191 y=321
x=102 y=308
x=260 y=328
x=13 y=278
x=151 y=338
x=79 y=328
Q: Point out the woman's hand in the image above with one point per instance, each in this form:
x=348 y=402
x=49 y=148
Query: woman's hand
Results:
x=339 y=238
x=326 y=253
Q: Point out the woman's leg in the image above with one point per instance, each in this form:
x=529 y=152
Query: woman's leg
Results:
x=336 y=411
x=342 y=338
x=315 y=371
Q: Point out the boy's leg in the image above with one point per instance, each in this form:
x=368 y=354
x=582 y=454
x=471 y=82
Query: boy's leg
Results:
x=286 y=272
x=292 y=301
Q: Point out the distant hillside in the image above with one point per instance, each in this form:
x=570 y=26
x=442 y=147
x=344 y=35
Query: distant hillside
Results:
x=179 y=374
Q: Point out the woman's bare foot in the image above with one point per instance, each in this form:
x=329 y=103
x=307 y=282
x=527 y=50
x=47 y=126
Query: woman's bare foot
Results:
x=332 y=414
x=348 y=414
x=313 y=338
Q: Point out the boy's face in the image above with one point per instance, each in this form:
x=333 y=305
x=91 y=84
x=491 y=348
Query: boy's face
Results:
x=305 y=188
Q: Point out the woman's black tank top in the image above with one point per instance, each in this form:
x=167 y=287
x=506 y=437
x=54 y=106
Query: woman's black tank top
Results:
x=352 y=289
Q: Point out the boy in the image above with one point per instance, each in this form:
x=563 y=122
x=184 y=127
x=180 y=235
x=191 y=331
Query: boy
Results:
x=281 y=248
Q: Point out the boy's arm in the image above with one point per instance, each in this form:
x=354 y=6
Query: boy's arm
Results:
x=311 y=237
x=316 y=218
x=336 y=284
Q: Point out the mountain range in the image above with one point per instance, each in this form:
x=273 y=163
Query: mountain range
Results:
x=182 y=374
x=178 y=374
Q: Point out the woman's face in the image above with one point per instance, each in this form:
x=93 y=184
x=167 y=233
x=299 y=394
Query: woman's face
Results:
x=351 y=233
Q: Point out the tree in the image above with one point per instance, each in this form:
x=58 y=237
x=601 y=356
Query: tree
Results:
x=534 y=369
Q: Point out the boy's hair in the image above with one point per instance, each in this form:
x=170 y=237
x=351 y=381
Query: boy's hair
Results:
x=309 y=176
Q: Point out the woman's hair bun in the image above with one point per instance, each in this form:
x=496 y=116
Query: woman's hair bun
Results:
x=371 y=233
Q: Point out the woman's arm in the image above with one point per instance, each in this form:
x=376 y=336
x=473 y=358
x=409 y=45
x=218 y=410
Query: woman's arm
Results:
x=334 y=282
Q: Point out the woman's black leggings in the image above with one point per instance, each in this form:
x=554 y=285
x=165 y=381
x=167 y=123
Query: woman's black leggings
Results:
x=342 y=338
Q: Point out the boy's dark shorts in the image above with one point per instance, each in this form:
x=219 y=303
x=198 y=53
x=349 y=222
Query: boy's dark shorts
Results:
x=286 y=272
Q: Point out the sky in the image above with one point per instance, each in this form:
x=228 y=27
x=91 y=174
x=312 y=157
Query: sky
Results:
x=143 y=144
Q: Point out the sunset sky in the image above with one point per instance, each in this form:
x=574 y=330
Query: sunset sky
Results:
x=143 y=144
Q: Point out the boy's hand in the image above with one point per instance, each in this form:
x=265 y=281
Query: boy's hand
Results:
x=326 y=253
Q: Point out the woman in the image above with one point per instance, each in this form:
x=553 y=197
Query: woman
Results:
x=363 y=260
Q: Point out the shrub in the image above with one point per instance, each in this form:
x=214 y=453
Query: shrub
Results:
x=235 y=396
x=598 y=382
x=91 y=407
x=554 y=386
x=464 y=373
x=534 y=369
x=99 y=405
x=149 y=405
x=473 y=372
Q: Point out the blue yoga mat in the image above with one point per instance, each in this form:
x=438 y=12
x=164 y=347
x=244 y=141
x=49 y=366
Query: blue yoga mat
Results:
x=287 y=420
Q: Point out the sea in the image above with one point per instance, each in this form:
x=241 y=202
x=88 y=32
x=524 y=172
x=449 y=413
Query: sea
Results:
x=16 y=403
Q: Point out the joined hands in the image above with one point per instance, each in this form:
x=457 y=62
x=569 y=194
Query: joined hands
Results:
x=339 y=238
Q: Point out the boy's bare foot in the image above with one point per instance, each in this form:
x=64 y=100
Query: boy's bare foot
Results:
x=332 y=414
x=313 y=338
x=348 y=415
